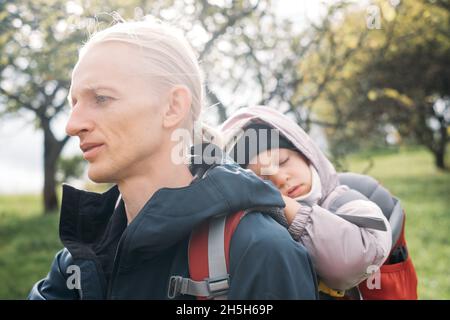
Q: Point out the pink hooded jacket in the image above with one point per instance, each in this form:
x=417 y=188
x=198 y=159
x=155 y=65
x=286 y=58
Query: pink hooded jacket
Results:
x=343 y=253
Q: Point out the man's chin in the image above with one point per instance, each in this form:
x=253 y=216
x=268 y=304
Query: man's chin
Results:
x=99 y=176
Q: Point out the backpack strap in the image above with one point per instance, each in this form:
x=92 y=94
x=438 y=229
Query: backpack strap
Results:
x=208 y=254
x=362 y=222
x=372 y=190
x=397 y=222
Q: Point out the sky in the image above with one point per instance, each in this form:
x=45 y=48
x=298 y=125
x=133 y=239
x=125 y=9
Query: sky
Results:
x=21 y=146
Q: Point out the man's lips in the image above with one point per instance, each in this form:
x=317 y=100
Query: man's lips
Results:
x=90 y=149
x=86 y=146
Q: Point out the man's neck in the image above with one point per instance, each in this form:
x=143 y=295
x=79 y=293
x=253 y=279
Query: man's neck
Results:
x=138 y=189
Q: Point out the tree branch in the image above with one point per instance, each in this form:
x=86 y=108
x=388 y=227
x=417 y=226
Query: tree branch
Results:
x=17 y=98
x=216 y=102
x=231 y=21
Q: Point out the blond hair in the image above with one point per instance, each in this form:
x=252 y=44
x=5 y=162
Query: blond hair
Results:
x=168 y=56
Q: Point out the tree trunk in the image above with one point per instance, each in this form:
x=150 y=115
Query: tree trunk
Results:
x=50 y=198
x=436 y=142
x=439 y=160
x=52 y=151
x=439 y=154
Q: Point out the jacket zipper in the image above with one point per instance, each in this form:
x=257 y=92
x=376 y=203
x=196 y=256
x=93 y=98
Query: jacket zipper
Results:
x=116 y=263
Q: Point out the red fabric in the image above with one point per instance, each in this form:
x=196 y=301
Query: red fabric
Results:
x=230 y=226
x=198 y=254
x=198 y=247
x=398 y=281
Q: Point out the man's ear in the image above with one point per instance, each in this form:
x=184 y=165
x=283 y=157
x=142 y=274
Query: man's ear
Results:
x=180 y=99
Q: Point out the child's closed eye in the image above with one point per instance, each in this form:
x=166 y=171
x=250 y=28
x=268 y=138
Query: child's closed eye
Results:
x=284 y=161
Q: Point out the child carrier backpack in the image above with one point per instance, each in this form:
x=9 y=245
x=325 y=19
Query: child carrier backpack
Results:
x=209 y=247
x=398 y=279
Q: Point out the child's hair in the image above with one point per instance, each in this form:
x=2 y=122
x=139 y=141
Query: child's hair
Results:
x=252 y=143
x=168 y=56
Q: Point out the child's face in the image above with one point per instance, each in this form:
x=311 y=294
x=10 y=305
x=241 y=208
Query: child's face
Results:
x=290 y=174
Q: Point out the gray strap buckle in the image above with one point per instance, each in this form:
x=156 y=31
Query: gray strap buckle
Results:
x=218 y=286
x=175 y=285
x=208 y=288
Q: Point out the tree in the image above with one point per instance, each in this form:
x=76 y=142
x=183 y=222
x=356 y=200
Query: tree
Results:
x=398 y=81
x=410 y=85
x=251 y=57
x=69 y=167
x=39 y=44
x=36 y=56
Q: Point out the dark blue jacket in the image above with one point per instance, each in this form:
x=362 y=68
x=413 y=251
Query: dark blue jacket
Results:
x=117 y=261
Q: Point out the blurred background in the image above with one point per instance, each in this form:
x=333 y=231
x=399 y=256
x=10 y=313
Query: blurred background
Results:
x=369 y=80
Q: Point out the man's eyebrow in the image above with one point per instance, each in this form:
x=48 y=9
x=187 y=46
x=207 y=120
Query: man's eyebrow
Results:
x=94 y=87
x=90 y=88
x=99 y=87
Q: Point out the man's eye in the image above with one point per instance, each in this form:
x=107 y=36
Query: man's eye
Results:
x=101 y=99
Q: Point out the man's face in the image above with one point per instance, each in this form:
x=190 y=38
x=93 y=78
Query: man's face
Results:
x=114 y=113
x=286 y=168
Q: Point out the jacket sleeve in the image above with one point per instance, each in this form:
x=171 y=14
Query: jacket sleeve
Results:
x=266 y=263
x=54 y=286
x=343 y=253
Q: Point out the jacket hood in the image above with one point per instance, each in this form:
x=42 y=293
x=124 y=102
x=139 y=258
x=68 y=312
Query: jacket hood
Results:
x=169 y=215
x=291 y=131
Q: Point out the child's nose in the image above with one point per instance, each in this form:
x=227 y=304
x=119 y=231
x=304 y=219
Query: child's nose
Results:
x=279 y=180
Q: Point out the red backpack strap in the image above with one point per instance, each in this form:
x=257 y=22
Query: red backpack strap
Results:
x=230 y=226
x=208 y=254
x=202 y=246
x=198 y=253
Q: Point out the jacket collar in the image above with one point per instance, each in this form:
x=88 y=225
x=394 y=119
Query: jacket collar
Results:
x=168 y=216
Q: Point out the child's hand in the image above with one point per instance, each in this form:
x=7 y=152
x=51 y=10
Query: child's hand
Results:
x=291 y=208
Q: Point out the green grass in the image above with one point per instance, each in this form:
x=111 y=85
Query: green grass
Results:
x=29 y=239
x=424 y=192
x=28 y=242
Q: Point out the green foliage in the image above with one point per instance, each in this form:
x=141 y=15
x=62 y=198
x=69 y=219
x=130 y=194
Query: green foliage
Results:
x=392 y=82
x=71 y=167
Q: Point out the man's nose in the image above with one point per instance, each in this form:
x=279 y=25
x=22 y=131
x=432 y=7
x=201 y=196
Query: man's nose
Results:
x=79 y=121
